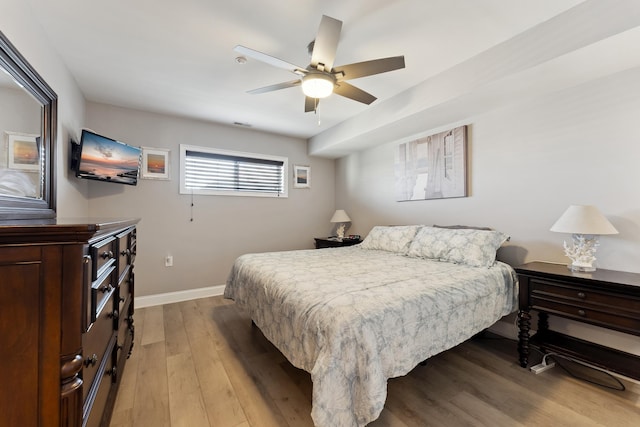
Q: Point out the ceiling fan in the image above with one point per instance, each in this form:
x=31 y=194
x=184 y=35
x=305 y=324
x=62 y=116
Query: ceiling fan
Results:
x=320 y=78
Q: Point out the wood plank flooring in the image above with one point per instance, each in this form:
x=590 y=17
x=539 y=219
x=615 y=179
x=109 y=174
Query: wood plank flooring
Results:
x=201 y=363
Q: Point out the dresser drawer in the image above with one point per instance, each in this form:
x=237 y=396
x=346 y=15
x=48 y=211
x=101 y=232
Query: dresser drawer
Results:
x=583 y=296
x=124 y=251
x=95 y=342
x=123 y=328
x=124 y=288
x=101 y=291
x=103 y=255
x=96 y=400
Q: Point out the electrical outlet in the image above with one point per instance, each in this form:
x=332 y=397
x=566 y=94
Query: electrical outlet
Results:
x=541 y=367
x=168 y=261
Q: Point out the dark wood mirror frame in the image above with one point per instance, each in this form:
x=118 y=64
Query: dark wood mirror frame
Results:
x=19 y=208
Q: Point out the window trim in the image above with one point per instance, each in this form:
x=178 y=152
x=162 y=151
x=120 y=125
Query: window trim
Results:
x=184 y=190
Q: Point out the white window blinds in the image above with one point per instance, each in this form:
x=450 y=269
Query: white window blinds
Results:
x=211 y=171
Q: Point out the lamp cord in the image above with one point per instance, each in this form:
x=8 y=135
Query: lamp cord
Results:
x=555 y=356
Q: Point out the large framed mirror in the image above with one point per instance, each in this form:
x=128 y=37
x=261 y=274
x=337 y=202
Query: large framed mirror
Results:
x=28 y=122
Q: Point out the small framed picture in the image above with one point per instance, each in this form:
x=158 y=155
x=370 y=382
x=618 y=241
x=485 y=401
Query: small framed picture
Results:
x=301 y=176
x=155 y=163
x=24 y=151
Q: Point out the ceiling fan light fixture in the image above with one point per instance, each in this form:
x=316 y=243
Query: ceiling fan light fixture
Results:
x=318 y=85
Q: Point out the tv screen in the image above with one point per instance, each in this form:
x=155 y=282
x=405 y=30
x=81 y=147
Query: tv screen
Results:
x=106 y=159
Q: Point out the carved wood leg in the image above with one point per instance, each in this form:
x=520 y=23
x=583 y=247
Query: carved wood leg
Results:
x=524 y=325
x=71 y=390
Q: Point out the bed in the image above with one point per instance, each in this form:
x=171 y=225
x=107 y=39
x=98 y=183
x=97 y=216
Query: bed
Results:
x=353 y=317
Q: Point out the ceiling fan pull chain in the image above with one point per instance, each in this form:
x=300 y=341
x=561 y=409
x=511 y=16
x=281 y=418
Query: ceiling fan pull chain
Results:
x=315 y=109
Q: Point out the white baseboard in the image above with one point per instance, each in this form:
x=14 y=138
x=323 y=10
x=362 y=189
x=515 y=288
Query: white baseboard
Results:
x=178 y=296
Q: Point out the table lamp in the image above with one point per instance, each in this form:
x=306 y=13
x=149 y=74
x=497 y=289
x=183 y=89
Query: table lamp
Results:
x=341 y=217
x=586 y=223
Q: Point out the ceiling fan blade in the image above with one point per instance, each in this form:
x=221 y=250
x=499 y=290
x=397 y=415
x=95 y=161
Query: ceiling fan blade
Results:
x=352 y=92
x=310 y=104
x=326 y=43
x=369 y=68
x=271 y=60
x=278 y=86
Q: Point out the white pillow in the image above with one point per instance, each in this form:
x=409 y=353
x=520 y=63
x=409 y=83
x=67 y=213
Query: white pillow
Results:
x=476 y=248
x=390 y=238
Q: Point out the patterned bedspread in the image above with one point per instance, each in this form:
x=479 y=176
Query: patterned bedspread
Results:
x=354 y=318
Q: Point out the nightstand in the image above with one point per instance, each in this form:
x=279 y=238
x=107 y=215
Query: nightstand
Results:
x=333 y=242
x=605 y=298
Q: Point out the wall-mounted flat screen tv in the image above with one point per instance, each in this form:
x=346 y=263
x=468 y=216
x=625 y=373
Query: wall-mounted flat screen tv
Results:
x=106 y=159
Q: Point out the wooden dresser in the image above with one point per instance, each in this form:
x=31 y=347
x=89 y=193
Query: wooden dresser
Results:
x=66 y=319
x=605 y=298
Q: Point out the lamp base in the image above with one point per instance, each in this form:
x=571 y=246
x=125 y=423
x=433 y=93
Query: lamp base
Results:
x=581 y=268
x=582 y=253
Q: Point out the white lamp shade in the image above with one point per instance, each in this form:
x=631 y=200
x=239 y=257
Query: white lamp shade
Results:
x=579 y=219
x=340 y=216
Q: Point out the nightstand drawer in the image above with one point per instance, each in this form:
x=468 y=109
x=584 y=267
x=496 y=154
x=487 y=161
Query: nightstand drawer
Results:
x=583 y=296
x=611 y=319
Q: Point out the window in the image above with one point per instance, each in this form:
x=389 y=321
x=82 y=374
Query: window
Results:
x=222 y=172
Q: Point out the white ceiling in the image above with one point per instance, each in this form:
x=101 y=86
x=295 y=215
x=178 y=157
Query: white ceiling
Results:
x=177 y=57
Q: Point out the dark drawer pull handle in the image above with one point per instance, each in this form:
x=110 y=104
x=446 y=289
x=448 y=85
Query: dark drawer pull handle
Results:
x=107 y=255
x=582 y=313
x=114 y=315
x=125 y=252
x=105 y=289
x=91 y=361
x=582 y=295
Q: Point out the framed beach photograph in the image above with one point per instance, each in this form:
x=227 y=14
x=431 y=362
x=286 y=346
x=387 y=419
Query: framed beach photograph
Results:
x=155 y=163
x=23 y=151
x=301 y=176
x=432 y=167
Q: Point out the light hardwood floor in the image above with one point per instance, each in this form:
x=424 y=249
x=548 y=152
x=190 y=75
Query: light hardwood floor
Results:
x=201 y=363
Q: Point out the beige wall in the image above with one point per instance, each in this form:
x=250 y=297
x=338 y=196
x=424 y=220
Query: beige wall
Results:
x=223 y=227
x=528 y=161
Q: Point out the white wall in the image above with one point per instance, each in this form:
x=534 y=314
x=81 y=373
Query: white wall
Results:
x=223 y=227
x=16 y=22
x=528 y=161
